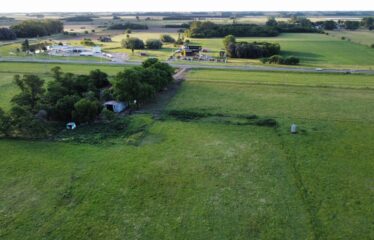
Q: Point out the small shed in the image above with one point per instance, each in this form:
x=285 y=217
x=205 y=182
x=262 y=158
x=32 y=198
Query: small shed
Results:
x=115 y=106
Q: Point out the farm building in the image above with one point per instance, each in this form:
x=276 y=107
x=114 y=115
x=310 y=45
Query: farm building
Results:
x=115 y=106
x=190 y=50
x=105 y=39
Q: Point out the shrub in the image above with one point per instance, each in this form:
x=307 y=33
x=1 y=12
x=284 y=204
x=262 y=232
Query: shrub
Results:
x=372 y=45
x=132 y=43
x=277 y=59
x=167 y=38
x=252 y=50
x=153 y=44
x=88 y=42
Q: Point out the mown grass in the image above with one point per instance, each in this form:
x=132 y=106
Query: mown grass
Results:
x=331 y=158
x=363 y=37
x=312 y=49
x=208 y=178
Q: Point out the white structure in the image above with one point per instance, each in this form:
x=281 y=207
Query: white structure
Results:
x=115 y=106
x=71 y=126
x=293 y=128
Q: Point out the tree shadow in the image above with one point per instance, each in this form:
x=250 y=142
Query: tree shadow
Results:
x=303 y=55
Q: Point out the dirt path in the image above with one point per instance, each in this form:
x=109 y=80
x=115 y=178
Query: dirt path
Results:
x=164 y=97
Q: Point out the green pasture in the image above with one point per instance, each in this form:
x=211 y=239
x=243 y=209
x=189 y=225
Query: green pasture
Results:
x=210 y=177
x=361 y=37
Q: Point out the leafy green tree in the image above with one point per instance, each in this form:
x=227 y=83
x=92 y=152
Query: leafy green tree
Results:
x=329 y=25
x=132 y=43
x=85 y=110
x=99 y=78
x=129 y=86
x=32 y=91
x=63 y=110
x=228 y=40
x=367 y=22
x=167 y=38
x=271 y=22
x=351 y=25
x=153 y=44
x=26 y=124
x=25 y=45
x=5 y=123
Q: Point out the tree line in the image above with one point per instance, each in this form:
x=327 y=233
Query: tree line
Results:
x=252 y=50
x=128 y=25
x=69 y=97
x=37 y=28
x=209 y=29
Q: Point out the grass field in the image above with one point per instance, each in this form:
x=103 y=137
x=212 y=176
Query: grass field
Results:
x=211 y=177
x=312 y=49
x=360 y=37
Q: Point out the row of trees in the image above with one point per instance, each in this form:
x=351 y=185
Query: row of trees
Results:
x=294 y=25
x=128 y=25
x=136 y=43
x=249 y=50
x=37 y=28
x=141 y=83
x=79 y=98
x=209 y=29
x=7 y=34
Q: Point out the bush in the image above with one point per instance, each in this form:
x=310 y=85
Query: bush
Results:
x=88 y=42
x=153 y=44
x=277 y=59
x=167 y=38
x=132 y=43
x=372 y=45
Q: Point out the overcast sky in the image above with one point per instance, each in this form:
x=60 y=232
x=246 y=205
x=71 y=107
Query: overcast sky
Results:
x=175 y=5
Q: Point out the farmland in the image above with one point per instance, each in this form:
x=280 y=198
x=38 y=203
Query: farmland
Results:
x=213 y=176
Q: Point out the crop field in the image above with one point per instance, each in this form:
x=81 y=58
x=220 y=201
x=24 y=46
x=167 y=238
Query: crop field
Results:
x=207 y=173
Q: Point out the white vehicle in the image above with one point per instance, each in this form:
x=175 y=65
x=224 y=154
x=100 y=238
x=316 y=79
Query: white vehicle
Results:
x=319 y=69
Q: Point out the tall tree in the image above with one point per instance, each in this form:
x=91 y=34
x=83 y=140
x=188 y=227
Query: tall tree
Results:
x=32 y=90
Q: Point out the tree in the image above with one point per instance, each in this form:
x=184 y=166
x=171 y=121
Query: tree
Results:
x=5 y=123
x=85 y=110
x=351 y=25
x=167 y=38
x=153 y=44
x=32 y=91
x=129 y=86
x=227 y=40
x=26 y=124
x=271 y=22
x=25 y=45
x=99 y=79
x=367 y=22
x=63 y=110
x=132 y=43
x=7 y=34
x=329 y=25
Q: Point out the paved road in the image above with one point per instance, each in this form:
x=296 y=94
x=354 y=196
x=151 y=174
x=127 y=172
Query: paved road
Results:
x=189 y=66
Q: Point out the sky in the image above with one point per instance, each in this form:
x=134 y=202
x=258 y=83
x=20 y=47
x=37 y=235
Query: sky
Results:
x=183 y=6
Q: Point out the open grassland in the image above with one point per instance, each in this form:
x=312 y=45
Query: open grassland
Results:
x=312 y=49
x=360 y=37
x=211 y=177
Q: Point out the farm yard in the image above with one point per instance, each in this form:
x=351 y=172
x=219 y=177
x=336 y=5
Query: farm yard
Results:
x=203 y=169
